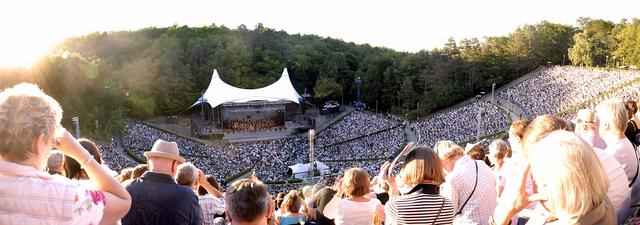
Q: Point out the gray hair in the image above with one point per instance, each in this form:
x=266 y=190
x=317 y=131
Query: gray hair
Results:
x=187 y=174
x=56 y=160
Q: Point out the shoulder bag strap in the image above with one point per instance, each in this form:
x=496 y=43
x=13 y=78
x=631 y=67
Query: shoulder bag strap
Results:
x=637 y=168
x=474 y=190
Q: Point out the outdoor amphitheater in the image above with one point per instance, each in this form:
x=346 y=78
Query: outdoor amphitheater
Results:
x=320 y=113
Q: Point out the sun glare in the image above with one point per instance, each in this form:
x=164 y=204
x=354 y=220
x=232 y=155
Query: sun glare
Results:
x=18 y=51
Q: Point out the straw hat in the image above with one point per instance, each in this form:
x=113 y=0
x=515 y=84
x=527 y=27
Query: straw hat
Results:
x=165 y=149
x=585 y=116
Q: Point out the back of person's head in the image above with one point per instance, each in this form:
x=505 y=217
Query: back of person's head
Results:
x=247 y=202
x=631 y=107
x=585 y=121
x=477 y=152
x=499 y=149
x=540 y=127
x=55 y=163
x=518 y=128
x=139 y=170
x=187 y=174
x=212 y=180
x=447 y=150
x=279 y=199
x=125 y=174
x=562 y=163
x=422 y=165
x=26 y=114
x=72 y=167
x=355 y=182
x=317 y=187
x=291 y=203
x=92 y=148
x=307 y=192
x=612 y=116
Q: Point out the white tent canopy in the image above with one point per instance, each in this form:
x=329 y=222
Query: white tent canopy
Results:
x=220 y=92
x=300 y=170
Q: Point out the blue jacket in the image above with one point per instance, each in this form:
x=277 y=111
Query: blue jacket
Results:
x=157 y=199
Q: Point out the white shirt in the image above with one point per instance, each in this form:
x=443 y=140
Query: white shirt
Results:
x=348 y=212
x=625 y=154
x=593 y=139
x=211 y=205
x=618 y=191
x=459 y=185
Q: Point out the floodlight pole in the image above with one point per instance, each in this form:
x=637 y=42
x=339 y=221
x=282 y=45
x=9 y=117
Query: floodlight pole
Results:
x=312 y=135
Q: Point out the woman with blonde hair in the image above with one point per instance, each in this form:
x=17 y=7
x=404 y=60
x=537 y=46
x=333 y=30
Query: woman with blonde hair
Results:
x=560 y=163
x=30 y=129
x=422 y=172
x=357 y=208
x=498 y=153
x=618 y=191
x=290 y=209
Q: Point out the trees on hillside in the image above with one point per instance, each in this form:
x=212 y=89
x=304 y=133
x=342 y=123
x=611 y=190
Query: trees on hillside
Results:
x=162 y=71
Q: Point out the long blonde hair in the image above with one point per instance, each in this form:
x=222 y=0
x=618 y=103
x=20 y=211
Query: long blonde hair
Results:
x=569 y=174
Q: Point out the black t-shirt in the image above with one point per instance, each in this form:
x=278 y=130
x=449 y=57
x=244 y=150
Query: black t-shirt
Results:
x=157 y=199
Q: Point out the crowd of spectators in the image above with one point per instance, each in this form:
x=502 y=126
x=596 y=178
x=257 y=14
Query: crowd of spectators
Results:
x=354 y=125
x=115 y=160
x=460 y=124
x=270 y=159
x=381 y=144
x=557 y=88
x=625 y=93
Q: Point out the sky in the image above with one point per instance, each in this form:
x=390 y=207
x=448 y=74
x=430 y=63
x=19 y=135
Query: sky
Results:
x=30 y=28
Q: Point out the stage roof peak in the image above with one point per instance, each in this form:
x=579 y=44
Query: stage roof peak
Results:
x=219 y=92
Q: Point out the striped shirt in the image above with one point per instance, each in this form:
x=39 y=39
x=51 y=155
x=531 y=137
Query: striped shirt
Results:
x=419 y=208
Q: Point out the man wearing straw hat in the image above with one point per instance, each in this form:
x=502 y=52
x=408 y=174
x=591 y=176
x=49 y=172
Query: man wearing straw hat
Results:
x=156 y=197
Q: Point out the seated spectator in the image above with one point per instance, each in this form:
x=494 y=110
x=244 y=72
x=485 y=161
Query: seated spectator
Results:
x=30 y=129
x=618 y=189
x=55 y=163
x=186 y=175
x=72 y=167
x=290 y=210
x=561 y=163
x=541 y=126
x=125 y=175
x=248 y=202
x=139 y=170
x=469 y=185
x=320 y=200
x=516 y=133
x=422 y=172
x=213 y=182
x=155 y=188
x=587 y=129
x=211 y=199
x=612 y=119
x=632 y=127
x=356 y=208
x=279 y=199
x=498 y=153
x=476 y=152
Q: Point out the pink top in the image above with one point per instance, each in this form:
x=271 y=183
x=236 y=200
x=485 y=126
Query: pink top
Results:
x=31 y=196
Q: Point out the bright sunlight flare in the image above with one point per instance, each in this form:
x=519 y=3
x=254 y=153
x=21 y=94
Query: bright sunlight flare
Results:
x=18 y=51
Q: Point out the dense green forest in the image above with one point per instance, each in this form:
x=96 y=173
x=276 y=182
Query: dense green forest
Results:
x=162 y=71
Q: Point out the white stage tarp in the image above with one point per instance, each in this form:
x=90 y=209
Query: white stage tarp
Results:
x=220 y=92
